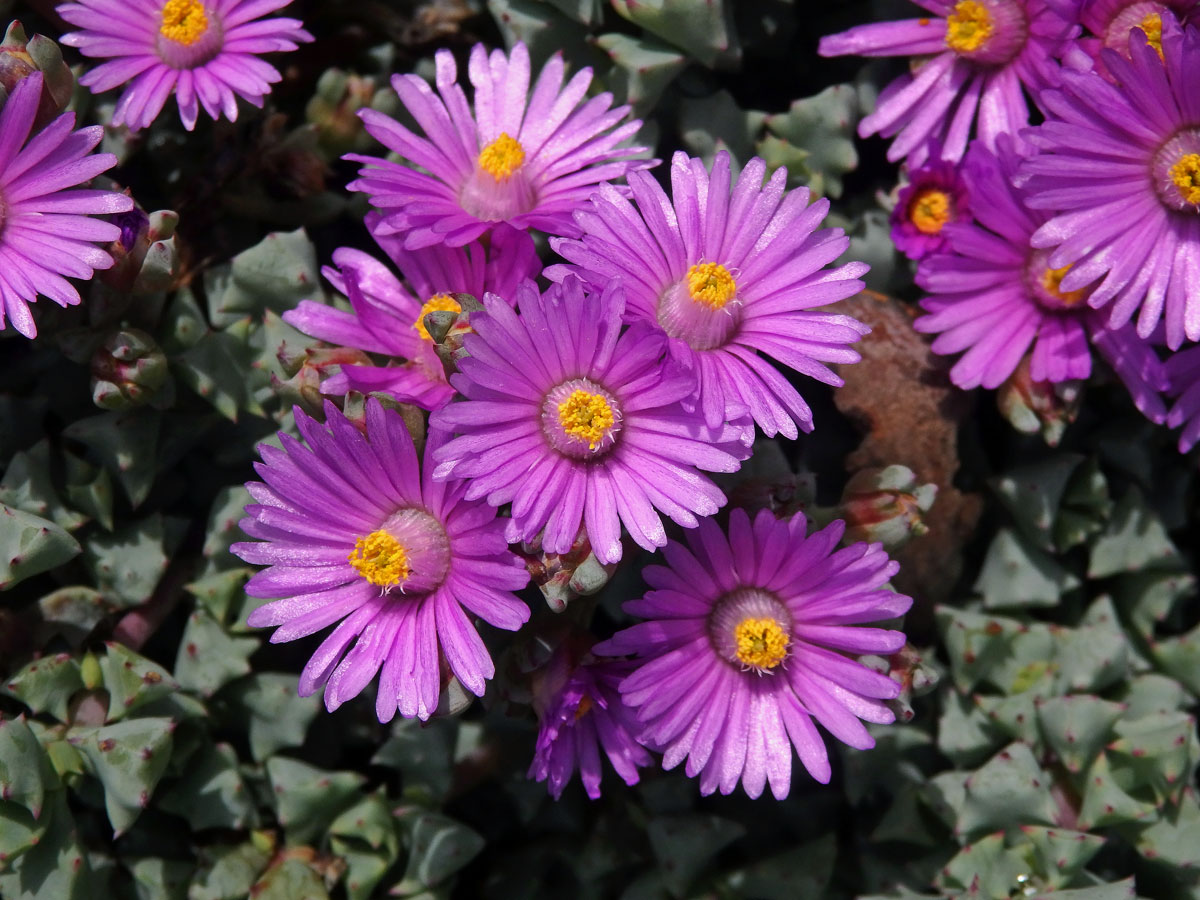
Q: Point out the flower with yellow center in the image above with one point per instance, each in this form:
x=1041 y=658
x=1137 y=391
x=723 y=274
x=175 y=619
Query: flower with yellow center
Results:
x=761 y=643
x=1152 y=26
x=381 y=559
x=1052 y=282
x=586 y=417
x=1186 y=175
x=436 y=303
x=930 y=211
x=502 y=157
x=711 y=284
x=968 y=26
x=183 y=21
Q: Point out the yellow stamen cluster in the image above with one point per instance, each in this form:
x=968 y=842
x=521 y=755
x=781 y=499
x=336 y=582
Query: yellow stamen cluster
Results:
x=586 y=417
x=502 y=157
x=930 y=211
x=968 y=26
x=183 y=21
x=1052 y=282
x=436 y=303
x=381 y=559
x=761 y=643
x=1152 y=26
x=1186 y=175
x=711 y=284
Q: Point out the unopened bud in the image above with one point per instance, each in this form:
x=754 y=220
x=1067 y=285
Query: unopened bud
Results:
x=1033 y=406
x=333 y=110
x=20 y=57
x=563 y=577
x=127 y=370
x=447 y=330
x=886 y=505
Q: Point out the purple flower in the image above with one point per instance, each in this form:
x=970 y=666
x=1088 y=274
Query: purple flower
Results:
x=204 y=52
x=1119 y=172
x=45 y=229
x=974 y=60
x=353 y=531
x=1183 y=374
x=1110 y=22
x=525 y=158
x=571 y=421
x=727 y=275
x=748 y=638
x=994 y=297
x=581 y=713
x=387 y=318
x=934 y=197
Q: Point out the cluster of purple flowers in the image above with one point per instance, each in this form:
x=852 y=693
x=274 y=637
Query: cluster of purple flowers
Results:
x=1040 y=243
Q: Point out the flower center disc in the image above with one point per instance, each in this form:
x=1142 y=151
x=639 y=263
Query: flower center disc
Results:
x=968 y=26
x=930 y=210
x=436 y=303
x=751 y=629
x=989 y=32
x=410 y=551
x=502 y=157
x=1146 y=15
x=189 y=34
x=1176 y=172
x=581 y=419
x=1045 y=285
x=702 y=309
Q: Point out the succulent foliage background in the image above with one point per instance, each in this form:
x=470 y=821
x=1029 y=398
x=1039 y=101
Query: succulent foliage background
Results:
x=153 y=746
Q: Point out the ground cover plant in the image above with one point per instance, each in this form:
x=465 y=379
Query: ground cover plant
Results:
x=553 y=448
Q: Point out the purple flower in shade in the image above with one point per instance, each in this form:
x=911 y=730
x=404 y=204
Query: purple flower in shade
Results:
x=528 y=159
x=571 y=421
x=581 y=713
x=994 y=296
x=934 y=196
x=1110 y=22
x=45 y=229
x=1183 y=375
x=976 y=58
x=1119 y=173
x=726 y=275
x=205 y=51
x=353 y=531
x=388 y=318
x=750 y=637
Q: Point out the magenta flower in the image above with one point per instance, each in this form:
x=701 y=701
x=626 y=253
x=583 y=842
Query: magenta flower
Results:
x=388 y=319
x=731 y=277
x=934 y=197
x=45 y=227
x=994 y=297
x=573 y=422
x=1183 y=374
x=528 y=159
x=581 y=713
x=206 y=53
x=352 y=530
x=1119 y=173
x=748 y=639
x=976 y=58
x=1110 y=22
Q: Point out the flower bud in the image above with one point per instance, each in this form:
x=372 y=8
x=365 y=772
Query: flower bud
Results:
x=333 y=110
x=20 y=57
x=563 y=577
x=1032 y=406
x=885 y=505
x=309 y=370
x=127 y=370
x=448 y=328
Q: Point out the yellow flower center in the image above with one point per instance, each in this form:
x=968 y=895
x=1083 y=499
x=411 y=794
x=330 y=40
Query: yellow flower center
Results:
x=929 y=211
x=586 y=417
x=968 y=26
x=183 y=21
x=711 y=284
x=1186 y=175
x=1052 y=282
x=1152 y=26
x=761 y=643
x=436 y=303
x=502 y=157
x=381 y=559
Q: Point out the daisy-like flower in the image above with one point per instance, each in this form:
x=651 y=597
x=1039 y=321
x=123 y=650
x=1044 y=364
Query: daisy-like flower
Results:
x=1183 y=375
x=45 y=229
x=934 y=196
x=748 y=639
x=352 y=530
x=204 y=51
x=977 y=57
x=581 y=713
x=572 y=421
x=1119 y=171
x=528 y=159
x=1110 y=22
x=994 y=297
x=727 y=275
x=388 y=318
